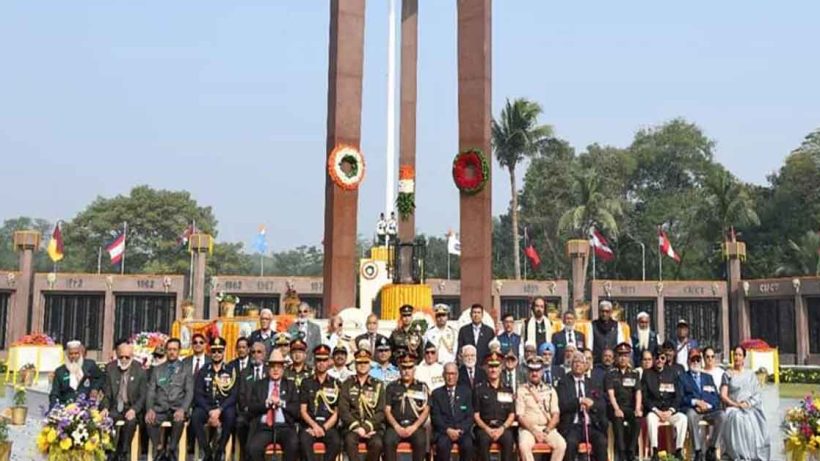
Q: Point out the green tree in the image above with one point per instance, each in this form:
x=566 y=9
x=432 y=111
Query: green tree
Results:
x=803 y=256
x=302 y=261
x=590 y=205
x=516 y=134
x=8 y=254
x=727 y=203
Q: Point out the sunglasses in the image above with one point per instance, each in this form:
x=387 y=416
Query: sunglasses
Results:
x=662 y=358
x=695 y=359
x=303 y=312
x=492 y=366
x=407 y=368
x=429 y=352
x=125 y=357
x=199 y=342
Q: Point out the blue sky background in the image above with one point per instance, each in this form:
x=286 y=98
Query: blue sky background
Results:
x=228 y=99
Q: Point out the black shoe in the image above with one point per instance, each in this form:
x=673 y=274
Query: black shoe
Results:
x=654 y=454
x=679 y=454
x=698 y=456
x=711 y=454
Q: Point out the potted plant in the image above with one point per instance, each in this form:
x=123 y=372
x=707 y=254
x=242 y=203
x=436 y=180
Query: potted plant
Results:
x=27 y=373
x=227 y=304
x=762 y=376
x=5 y=443
x=19 y=410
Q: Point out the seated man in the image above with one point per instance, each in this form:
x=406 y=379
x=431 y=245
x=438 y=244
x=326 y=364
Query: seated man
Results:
x=583 y=411
x=274 y=406
x=362 y=410
x=170 y=393
x=319 y=398
x=215 y=393
x=406 y=411
x=537 y=408
x=700 y=402
x=451 y=414
x=661 y=394
x=78 y=376
x=494 y=408
x=124 y=396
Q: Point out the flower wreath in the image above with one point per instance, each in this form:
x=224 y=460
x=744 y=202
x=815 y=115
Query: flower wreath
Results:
x=406 y=200
x=471 y=171
x=350 y=177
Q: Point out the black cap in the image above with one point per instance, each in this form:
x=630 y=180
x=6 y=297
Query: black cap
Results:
x=217 y=343
x=430 y=346
x=406 y=310
x=382 y=343
x=321 y=352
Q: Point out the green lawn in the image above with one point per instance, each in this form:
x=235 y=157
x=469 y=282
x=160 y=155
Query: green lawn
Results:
x=796 y=391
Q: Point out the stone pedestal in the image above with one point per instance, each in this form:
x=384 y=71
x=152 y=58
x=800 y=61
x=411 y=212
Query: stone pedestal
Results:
x=201 y=245
x=26 y=243
x=474 y=118
x=735 y=253
x=578 y=251
x=344 y=114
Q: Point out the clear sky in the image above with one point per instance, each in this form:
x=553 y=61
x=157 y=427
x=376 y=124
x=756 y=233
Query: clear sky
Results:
x=228 y=99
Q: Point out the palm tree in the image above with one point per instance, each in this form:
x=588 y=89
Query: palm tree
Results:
x=727 y=202
x=592 y=206
x=803 y=257
x=516 y=134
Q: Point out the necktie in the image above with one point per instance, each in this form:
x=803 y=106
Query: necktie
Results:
x=258 y=373
x=122 y=395
x=196 y=365
x=697 y=380
x=549 y=377
x=470 y=373
x=274 y=394
x=571 y=339
x=452 y=393
x=581 y=418
x=372 y=343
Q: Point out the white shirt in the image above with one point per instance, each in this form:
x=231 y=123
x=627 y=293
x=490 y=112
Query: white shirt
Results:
x=430 y=374
x=278 y=416
x=682 y=356
x=198 y=360
x=446 y=341
x=340 y=374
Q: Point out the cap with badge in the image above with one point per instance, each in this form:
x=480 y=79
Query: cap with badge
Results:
x=441 y=309
x=683 y=323
x=217 y=344
x=406 y=310
x=382 y=344
x=298 y=344
x=362 y=356
x=535 y=364
x=407 y=361
x=623 y=348
x=321 y=352
x=493 y=359
x=340 y=349
x=430 y=347
x=281 y=339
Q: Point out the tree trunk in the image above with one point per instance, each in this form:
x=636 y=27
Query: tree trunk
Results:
x=514 y=215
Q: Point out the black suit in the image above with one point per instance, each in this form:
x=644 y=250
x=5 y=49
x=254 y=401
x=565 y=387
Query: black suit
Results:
x=61 y=390
x=573 y=431
x=479 y=376
x=243 y=396
x=459 y=417
x=366 y=337
x=482 y=346
x=137 y=384
x=559 y=340
x=283 y=433
x=256 y=337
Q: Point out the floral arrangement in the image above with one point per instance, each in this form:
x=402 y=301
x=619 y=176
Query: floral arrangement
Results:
x=799 y=375
x=223 y=297
x=345 y=165
x=145 y=343
x=755 y=345
x=471 y=171
x=663 y=455
x=4 y=430
x=34 y=339
x=77 y=431
x=406 y=200
x=19 y=397
x=284 y=321
x=801 y=428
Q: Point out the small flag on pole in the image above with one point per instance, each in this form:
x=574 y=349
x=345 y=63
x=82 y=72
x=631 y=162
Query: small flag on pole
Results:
x=55 y=245
x=182 y=240
x=529 y=251
x=116 y=249
x=261 y=243
x=453 y=244
x=600 y=245
x=665 y=245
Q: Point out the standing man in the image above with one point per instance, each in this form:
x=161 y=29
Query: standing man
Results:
x=623 y=389
x=340 y=372
x=214 y=402
x=242 y=359
x=643 y=339
x=452 y=415
x=382 y=369
x=319 y=409
x=659 y=388
x=274 y=404
x=198 y=358
x=683 y=344
x=538 y=328
x=442 y=335
x=406 y=410
x=170 y=393
x=430 y=371
x=700 y=402
x=403 y=338
x=265 y=332
x=124 y=396
x=494 y=408
x=509 y=339
x=255 y=371
x=78 y=376
x=583 y=412
x=307 y=330
x=567 y=336
x=298 y=369
x=552 y=372
x=536 y=405
x=476 y=333
x=604 y=331
x=372 y=335
x=470 y=374
x=362 y=410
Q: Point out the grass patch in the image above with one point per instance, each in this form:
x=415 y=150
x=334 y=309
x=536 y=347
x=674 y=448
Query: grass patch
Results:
x=796 y=391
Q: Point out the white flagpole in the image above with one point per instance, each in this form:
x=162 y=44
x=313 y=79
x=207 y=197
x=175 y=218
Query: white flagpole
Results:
x=448 y=263
x=191 y=267
x=391 y=108
x=124 y=246
x=99 y=259
x=261 y=264
x=660 y=259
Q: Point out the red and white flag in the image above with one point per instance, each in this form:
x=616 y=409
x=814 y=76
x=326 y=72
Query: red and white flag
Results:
x=600 y=245
x=665 y=246
x=530 y=252
x=116 y=249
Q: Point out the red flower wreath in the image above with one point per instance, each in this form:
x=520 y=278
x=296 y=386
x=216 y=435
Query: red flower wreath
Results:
x=471 y=170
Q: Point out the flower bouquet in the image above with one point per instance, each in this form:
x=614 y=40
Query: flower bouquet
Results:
x=801 y=428
x=34 y=339
x=145 y=343
x=227 y=303
x=666 y=456
x=75 y=432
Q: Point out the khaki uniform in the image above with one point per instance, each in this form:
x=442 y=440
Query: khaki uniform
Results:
x=534 y=406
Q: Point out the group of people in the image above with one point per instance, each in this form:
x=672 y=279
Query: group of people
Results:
x=470 y=388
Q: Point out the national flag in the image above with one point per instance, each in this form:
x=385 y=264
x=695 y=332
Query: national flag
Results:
x=261 y=243
x=600 y=245
x=182 y=240
x=665 y=246
x=55 y=245
x=116 y=249
x=529 y=251
x=453 y=244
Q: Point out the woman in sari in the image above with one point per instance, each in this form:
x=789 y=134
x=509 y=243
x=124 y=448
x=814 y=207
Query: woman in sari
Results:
x=744 y=435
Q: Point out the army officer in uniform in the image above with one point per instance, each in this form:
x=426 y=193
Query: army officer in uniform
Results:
x=494 y=408
x=406 y=411
x=538 y=413
x=623 y=389
x=319 y=398
x=362 y=410
x=215 y=402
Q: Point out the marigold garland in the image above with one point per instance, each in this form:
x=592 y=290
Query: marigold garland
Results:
x=341 y=155
x=406 y=200
x=471 y=171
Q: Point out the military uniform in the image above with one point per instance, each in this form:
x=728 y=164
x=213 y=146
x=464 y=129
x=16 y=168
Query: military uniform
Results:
x=171 y=389
x=214 y=389
x=388 y=372
x=408 y=406
x=535 y=405
x=406 y=338
x=320 y=400
x=624 y=386
x=494 y=405
x=445 y=339
x=362 y=405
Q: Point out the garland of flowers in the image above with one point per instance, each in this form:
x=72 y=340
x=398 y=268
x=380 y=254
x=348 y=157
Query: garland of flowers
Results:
x=145 y=343
x=346 y=155
x=471 y=171
x=406 y=200
x=77 y=431
x=34 y=339
x=801 y=428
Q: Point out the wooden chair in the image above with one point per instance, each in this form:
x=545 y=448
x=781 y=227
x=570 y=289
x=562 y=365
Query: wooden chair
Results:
x=183 y=441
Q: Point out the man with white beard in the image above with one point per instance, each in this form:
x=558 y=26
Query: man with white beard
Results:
x=124 y=396
x=78 y=376
x=643 y=339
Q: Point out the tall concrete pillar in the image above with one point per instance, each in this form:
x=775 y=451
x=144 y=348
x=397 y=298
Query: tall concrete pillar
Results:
x=26 y=243
x=474 y=118
x=344 y=117
x=578 y=251
x=801 y=320
x=735 y=253
x=201 y=245
x=407 y=116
